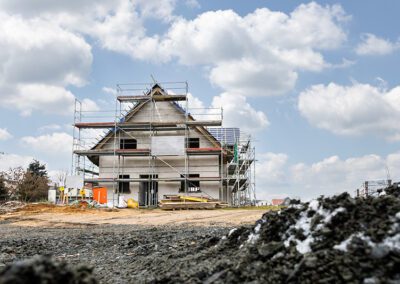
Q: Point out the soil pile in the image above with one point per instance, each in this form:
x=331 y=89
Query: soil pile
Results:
x=328 y=240
x=11 y=206
x=42 y=269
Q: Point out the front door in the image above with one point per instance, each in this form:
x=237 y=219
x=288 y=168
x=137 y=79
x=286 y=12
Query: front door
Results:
x=148 y=191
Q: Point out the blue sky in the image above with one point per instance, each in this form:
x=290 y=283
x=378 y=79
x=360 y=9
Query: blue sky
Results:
x=315 y=83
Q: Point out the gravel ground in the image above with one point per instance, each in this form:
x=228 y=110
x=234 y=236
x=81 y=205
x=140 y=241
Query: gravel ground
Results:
x=328 y=240
x=118 y=253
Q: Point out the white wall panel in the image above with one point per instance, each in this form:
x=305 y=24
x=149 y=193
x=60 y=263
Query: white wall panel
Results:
x=168 y=145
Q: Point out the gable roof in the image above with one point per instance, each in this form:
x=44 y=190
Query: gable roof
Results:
x=157 y=90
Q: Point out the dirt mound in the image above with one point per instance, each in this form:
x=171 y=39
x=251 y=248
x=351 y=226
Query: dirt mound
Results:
x=328 y=240
x=42 y=269
x=11 y=206
x=17 y=206
x=44 y=207
x=52 y=208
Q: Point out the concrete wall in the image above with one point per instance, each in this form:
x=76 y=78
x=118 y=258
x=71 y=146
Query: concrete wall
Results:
x=205 y=166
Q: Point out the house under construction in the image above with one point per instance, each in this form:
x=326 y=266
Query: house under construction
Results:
x=152 y=145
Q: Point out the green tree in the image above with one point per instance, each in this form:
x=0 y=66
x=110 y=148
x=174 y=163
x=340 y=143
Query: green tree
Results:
x=34 y=183
x=33 y=187
x=35 y=168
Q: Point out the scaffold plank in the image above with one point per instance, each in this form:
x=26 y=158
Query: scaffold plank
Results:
x=170 y=179
x=157 y=98
x=204 y=151
x=110 y=152
x=127 y=125
x=143 y=152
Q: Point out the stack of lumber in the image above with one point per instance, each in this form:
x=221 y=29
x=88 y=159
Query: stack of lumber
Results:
x=178 y=202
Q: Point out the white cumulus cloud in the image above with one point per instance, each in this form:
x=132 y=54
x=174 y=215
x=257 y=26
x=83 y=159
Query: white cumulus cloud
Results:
x=111 y=91
x=8 y=161
x=372 y=45
x=50 y=127
x=52 y=144
x=271 y=168
x=237 y=112
x=352 y=110
x=277 y=177
x=35 y=70
x=258 y=54
x=4 y=134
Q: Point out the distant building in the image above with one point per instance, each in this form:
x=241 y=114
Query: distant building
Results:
x=262 y=202
x=277 y=201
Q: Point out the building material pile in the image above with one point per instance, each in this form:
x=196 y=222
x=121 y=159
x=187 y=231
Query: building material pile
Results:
x=329 y=240
x=177 y=202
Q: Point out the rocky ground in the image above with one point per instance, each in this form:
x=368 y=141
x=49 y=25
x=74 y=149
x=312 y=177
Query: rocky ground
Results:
x=328 y=240
x=118 y=253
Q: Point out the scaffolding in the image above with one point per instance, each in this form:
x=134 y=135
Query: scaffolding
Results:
x=97 y=136
x=373 y=187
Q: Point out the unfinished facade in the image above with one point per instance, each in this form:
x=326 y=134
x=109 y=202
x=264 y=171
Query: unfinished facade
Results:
x=154 y=146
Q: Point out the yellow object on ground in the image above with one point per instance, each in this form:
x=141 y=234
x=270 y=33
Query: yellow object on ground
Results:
x=131 y=203
x=193 y=198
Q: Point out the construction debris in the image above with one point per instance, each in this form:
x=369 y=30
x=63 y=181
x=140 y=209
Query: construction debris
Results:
x=178 y=202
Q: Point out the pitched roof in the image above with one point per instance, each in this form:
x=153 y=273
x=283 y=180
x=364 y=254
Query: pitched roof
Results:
x=156 y=89
x=277 y=201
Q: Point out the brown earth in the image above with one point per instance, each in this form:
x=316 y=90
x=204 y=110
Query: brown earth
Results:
x=45 y=215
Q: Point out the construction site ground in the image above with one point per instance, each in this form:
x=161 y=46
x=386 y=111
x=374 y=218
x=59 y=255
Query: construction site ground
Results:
x=43 y=215
x=122 y=245
x=337 y=239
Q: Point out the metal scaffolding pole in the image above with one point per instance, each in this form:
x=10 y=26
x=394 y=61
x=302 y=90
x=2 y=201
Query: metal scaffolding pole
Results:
x=234 y=173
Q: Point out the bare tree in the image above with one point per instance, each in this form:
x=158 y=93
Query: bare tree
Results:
x=27 y=185
x=61 y=177
x=13 y=178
